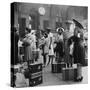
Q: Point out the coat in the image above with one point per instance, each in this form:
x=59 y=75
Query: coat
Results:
x=66 y=35
x=79 y=51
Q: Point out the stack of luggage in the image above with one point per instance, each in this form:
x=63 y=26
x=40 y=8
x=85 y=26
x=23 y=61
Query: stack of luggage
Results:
x=35 y=74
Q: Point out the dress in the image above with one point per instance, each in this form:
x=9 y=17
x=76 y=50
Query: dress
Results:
x=59 y=45
x=28 y=48
x=51 y=51
x=78 y=52
x=46 y=48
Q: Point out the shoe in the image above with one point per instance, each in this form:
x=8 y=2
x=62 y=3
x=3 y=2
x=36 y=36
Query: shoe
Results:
x=79 y=79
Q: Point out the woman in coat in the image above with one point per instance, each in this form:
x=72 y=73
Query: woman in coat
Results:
x=59 y=49
x=28 y=49
x=79 y=51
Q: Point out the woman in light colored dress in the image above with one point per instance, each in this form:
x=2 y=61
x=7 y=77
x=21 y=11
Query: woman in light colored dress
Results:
x=50 y=46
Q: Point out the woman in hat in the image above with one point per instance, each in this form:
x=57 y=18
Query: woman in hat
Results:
x=78 y=51
x=59 y=49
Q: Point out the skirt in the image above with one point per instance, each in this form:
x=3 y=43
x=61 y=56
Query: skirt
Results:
x=79 y=54
x=51 y=51
x=66 y=51
x=28 y=53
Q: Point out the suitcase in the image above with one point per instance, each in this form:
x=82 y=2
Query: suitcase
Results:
x=35 y=81
x=70 y=74
x=36 y=67
x=35 y=76
x=57 y=67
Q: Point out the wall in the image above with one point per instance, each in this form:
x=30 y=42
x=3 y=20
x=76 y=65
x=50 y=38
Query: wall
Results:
x=51 y=13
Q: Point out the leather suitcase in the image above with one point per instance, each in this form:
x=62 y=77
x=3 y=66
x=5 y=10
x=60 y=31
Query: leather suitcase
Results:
x=35 y=76
x=68 y=74
x=57 y=67
x=35 y=81
x=36 y=67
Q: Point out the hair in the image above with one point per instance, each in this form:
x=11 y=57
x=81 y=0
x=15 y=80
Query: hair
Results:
x=27 y=29
x=48 y=30
x=45 y=35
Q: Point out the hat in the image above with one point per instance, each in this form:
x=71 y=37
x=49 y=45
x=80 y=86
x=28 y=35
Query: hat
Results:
x=78 y=24
x=32 y=31
x=60 y=28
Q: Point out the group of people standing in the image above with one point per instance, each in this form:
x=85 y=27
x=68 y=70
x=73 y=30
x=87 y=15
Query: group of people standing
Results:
x=63 y=46
x=52 y=46
x=66 y=46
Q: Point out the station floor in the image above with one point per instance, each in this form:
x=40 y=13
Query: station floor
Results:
x=50 y=79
